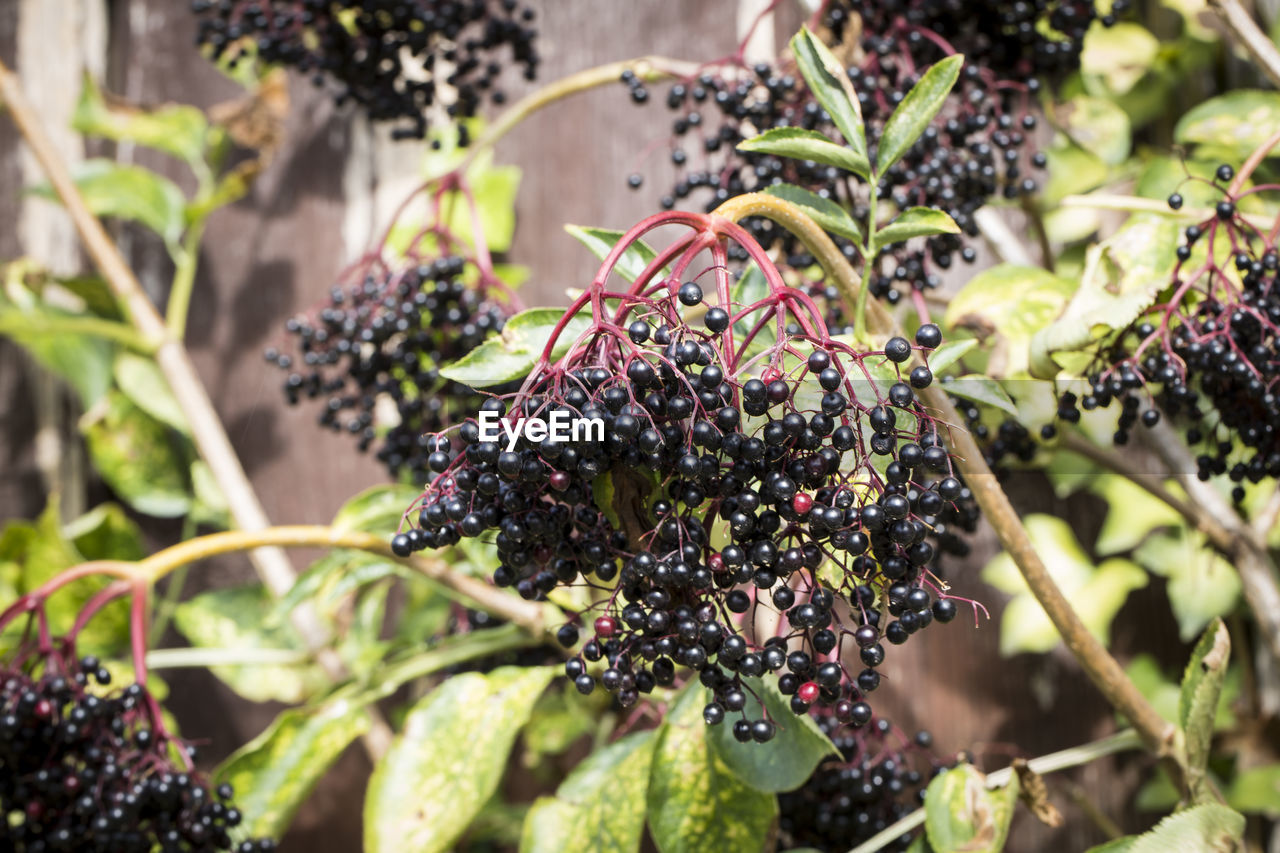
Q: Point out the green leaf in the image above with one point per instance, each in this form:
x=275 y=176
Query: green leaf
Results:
x=982 y=389
x=1122 y=276
x=1256 y=791
x=1239 y=121
x=1198 y=703
x=916 y=222
x=141 y=459
x=1201 y=585
x=600 y=807
x=1203 y=829
x=238 y=618
x=832 y=218
x=962 y=814
x=800 y=144
x=210 y=507
x=695 y=802
x=915 y=112
x=948 y=353
x=1071 y=169
x=141 y=380
x=377 y=509
x=1098 y=593
x=601 y=241
x=1005 y=306
x=829 y=82
x=1100 y=127
x=106 y=533
x=560 y=718
x=782 y=764
x=448 y=761
x=174 y=128
x=1120 y=55
x=1133 y=513
x=275 y=772
x=129 y=192
x=513 y=354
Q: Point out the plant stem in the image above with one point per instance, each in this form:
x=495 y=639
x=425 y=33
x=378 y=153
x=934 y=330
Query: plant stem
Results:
x=184 y=279
x=18 y=325
x=1222 y=538
x=1161 y=736
x=1135 y=204
x=201 y=657
x=1241 y=24
x=1072 y=757
x=530 y=616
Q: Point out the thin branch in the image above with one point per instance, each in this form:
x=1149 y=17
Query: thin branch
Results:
x=1054 y=761
x=1135 y=204
x=206 y=657
x=1106 y=673
x=1241 y=25
x=1195 y=514
x=1000 y=237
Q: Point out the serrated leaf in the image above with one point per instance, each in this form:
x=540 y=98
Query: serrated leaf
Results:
x=448 y=760
x=782 y=764
x=984 y=390
x=275 y=772
x=599 y=807
x=1256 y=791
x=917 y=109
x=238 y=618
x=832 y=218
x=129 y=192
x=829 y=82
x=141 y=380
x=1209 y=828
x=141 y=459
x=916 y=222
x=800 y=144
x=1238 y=121
x=1121 y=278
x=514 y=353
x=601 y=241
x=694 y=802
x=948 y=353
x=176 y=129
x=1006 y=306
x=963 y=816
x=1198 y=702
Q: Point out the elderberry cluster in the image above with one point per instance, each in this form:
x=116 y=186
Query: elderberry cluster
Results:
x=382 y=340
x=1208 y=356
x=879 y=777
x=979 y=146
x=720 y=485
x=397 y=59
x=86 y=769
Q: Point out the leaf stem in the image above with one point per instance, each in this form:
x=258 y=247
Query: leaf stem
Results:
x=184 y=279
x=19 y=325
x=1075 y=756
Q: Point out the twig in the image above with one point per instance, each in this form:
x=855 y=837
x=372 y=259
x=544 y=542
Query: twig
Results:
x=1054 y=761
x=1001 y=239
x=1195 y=514
x=1096 y=816
x=1135 y=204
x=1241 y=25
x=1107 y=675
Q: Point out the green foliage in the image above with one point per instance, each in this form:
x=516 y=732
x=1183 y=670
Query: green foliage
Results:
x=826 y=78
x=1237 y=122
x=917 y=109
x=782 y=764
x=513 y=354
x=448 y=760
x=600 y=806
x=1204 y=829
x=984 y=390
x=963 y=814
x=275 y=772
x=833 y=218
x=601 y=241
x=916 y=222
x=130 y=192
x=800 y=144
x=141 y=459
x=1006 y=306
x=174 y=129
x=1198 y=704
x=695 y=802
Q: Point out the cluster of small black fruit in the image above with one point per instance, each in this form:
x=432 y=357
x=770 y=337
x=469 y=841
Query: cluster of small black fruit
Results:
x=1209 y=357
x=82 y=769
x=385 y=338
x=879 y=777
x=979 y=146
x=397 y=59
x=784 y=461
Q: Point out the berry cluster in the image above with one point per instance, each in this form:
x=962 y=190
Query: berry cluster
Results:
x=880 y=777
x=399 y=60
x=88 y=769
x=1208 y=355
x=383 y=337
x=738 y=469
x=977 y=147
